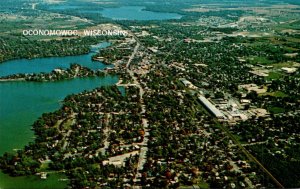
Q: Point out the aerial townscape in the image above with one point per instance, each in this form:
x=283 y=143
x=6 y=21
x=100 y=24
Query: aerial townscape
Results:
x=198 y=94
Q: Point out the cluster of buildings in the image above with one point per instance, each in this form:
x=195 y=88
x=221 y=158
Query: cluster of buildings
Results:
x=228 y=108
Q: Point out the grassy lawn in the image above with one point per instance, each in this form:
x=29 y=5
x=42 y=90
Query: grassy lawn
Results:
x=240 y=139
x=276 y=110
x=45 y=166
x=68 y=124
x=274 y=75
x=203 y=185
x=283 y=64
x=293 y=26
x=278 y=94
x=259 y=60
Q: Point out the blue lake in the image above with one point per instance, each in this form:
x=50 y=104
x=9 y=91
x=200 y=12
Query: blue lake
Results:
x=21 y=103
x=48 y=64
x=120 y=13
x=136 y=13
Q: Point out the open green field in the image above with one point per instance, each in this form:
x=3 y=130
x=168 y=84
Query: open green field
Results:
x=278 y=94
x=274 y=75
x=259 y=60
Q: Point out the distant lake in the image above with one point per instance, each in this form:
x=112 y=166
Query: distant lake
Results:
x=136 y=13
x=38 y=65
x=120 y=13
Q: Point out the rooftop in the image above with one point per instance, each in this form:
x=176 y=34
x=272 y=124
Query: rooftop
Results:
x=212 y=108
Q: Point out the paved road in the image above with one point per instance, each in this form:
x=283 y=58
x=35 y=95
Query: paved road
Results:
x=144 y=148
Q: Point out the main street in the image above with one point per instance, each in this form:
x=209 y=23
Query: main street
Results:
x=136 y=83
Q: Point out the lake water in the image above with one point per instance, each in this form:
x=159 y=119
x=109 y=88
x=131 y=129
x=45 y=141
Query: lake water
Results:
x=136 y=13
x=120 y=13
x=32 y=182
x=21 y=103
x=48 y=64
